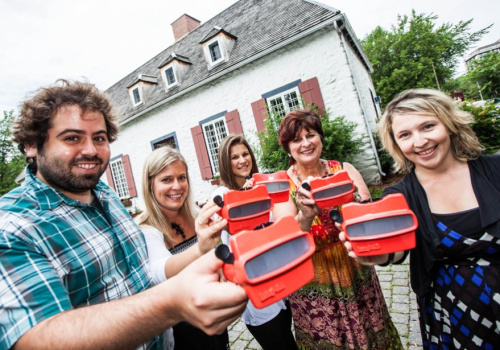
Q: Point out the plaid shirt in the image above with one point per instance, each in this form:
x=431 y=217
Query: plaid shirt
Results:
x=57 y=254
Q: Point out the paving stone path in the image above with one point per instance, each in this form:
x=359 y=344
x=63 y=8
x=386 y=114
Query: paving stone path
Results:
x=400 y=300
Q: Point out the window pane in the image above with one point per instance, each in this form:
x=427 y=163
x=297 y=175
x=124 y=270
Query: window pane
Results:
x=215 y=51
x=214 y=132
x=170 y=76
x=292 y=101
x=119 y=179
x=137 y=96
x=277 y=106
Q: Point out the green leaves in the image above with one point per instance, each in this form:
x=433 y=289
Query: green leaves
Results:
x=416 y=53
x=11 y=161
x=339 y=144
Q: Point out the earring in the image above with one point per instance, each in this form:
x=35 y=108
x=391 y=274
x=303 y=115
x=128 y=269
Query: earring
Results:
x=292 y=160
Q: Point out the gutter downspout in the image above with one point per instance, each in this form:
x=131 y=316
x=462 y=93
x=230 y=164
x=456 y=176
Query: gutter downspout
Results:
x=356 y=87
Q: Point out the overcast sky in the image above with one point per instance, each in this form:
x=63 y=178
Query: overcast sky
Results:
x=104 y=40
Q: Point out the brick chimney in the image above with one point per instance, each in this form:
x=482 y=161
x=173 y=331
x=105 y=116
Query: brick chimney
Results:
x=183 y=25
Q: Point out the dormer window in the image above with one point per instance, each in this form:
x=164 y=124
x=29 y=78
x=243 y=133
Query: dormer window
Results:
x=217 y=46
x=174 y=69
x=136 y=88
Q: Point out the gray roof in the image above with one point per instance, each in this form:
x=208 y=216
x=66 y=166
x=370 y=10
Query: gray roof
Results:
x=484 y=49
x=258 y=25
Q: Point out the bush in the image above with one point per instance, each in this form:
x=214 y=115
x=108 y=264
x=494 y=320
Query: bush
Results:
x=339 y=143
x=486 y=126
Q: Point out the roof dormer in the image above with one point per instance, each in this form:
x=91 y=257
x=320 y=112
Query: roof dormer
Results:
x=173 y=70
x=137 y=87
x=217 y=46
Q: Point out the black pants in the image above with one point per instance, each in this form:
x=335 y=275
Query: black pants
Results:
x=188 y=337
x=276 y=334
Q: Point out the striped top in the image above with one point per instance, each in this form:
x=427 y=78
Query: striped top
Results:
x=57 y=253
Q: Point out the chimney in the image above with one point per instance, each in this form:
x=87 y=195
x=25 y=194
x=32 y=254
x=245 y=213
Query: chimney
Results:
x=184 y=25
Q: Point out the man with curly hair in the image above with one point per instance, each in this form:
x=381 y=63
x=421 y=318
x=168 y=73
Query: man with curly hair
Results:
x=74 y=263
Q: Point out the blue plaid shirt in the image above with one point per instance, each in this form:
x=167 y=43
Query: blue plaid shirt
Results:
x=57 y=254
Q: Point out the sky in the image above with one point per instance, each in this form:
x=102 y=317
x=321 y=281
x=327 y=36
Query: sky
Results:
x=101 y=41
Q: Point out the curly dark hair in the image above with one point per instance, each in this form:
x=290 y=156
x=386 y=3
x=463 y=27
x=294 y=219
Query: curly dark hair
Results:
x=35 y=119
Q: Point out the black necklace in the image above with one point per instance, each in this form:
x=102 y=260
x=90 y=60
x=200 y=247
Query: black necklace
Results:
x=178 y=230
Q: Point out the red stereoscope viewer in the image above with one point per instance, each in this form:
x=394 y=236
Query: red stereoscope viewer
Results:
x=277 y=185
x=385 y=225
x=269 y=263
x=245 y=210
x=331 y=190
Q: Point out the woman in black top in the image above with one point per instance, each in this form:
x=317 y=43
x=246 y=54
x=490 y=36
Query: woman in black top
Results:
x=455 y=194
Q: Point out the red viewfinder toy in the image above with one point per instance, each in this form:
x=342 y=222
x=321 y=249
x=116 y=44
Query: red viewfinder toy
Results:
x=245 y=210
x=331 y=190
x=385 y=225
x=277 y=185
x=269 y=263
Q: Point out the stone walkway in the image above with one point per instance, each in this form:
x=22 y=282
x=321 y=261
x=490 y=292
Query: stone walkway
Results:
x=400 y=300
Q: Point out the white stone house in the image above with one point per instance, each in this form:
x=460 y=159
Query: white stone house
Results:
x=219 y=77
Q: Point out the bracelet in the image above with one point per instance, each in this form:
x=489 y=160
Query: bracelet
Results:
x=389 y=261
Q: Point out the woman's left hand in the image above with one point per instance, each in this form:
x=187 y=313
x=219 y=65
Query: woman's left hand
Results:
x=209 y=226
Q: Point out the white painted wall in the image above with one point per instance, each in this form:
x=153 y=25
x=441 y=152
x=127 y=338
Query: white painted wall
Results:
x=319 y=55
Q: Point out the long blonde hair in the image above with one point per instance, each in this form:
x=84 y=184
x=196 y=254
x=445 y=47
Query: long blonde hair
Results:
x=464 y=142
x=158 y=160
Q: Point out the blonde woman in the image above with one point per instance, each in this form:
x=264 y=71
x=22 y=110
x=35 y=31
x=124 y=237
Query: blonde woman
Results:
x=174 y=238
x=455 y=194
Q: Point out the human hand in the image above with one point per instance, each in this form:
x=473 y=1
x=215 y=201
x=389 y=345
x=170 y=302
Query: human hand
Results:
x=307 y=205
x=363 y=260
x=205 y=302
x=248 y=183
x=209 y=226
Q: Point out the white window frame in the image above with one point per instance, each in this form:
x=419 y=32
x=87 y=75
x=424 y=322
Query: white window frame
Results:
x=119 y=178
x=284 y=96
x=221 y=51
x=137 y=88
x=164 y=75
x=213 y=139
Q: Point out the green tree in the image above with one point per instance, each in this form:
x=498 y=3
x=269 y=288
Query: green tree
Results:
x=486 y=126
x=484 y=74
x=11 y=161
x=416 y=53
x=339 y=143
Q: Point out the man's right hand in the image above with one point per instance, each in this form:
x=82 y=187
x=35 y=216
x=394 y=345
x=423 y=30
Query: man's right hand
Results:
x=202 y=300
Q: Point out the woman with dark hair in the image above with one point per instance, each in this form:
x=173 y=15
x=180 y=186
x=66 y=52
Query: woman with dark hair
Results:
x=174 y=238
x=455 y=194
x=270 y=326
x=343 y=306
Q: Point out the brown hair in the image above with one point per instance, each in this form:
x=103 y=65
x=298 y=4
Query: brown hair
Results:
x=35 y=119
x=225 y=169
x=464 y=143
x=293 y=123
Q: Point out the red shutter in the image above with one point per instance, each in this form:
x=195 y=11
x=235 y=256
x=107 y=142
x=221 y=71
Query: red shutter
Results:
x=109 y=177
x=201 y=152
x=233 y=122
x=129 y=176
x=311 y=94
x=260 y=113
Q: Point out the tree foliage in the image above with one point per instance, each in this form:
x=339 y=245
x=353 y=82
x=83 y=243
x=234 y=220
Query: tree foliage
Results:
x=340 y=142
x=484 y=75
x=416 y=53
x=11 y=161
x=486 y=126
